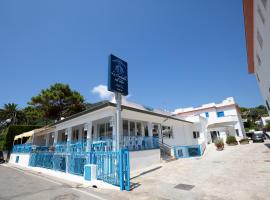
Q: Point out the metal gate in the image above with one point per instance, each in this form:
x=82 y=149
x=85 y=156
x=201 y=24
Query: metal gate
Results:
x=112 y=167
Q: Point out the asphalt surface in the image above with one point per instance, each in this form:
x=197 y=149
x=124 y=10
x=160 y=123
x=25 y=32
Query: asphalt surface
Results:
x=16 y=184
x=239 y=172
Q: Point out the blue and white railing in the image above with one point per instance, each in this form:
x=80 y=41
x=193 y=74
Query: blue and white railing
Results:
x=22 y=148
x=113 y=167
x=135 y=143
x=48 y=160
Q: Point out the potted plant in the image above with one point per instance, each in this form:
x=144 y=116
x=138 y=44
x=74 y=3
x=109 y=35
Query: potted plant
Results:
x=231 y=140
x=219 y=144
x=244 y=141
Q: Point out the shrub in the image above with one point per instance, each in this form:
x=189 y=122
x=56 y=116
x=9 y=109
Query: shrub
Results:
x=231 y=140
x=244 y=141
x=219 y=144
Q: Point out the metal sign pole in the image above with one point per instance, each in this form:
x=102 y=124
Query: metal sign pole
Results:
x=118 y=98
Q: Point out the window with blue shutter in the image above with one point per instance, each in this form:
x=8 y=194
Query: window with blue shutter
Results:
x=220 y=114
x=206 y=114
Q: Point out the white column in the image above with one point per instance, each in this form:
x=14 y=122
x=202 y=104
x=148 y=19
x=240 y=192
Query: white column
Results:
x=150 y=129
x=68 y=131
x=150 y=132
x=80 y=134
x=135 y=128
x=143 y=129
x=159 y=130
x=47 y=139
x=95 y=131
x=88 y=127
x=55 y=138
x=114 y=134
x=128 y=128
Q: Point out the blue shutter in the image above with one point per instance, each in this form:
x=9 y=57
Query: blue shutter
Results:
x=220 y=114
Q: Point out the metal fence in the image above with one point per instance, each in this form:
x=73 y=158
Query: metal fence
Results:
x=22 y=148
x=135 y=143
x=76 y=163
x=113 y=167
x=48 y=160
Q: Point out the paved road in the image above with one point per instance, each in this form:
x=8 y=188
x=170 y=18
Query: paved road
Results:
x=239 y=172
x=16 y=184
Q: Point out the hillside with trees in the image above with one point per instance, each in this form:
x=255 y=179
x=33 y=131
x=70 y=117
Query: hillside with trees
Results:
x=252 y=116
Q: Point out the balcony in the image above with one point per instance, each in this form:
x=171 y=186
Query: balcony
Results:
x=223 y=121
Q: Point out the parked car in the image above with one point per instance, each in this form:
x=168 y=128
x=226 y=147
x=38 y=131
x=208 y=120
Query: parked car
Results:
x=249 y=134
x=258 y=136
x=1 y=157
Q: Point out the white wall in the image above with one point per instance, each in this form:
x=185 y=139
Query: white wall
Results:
x=23 y=159
x=263 y=69
x=231 y=114
x=182 y=130
x=143 y=159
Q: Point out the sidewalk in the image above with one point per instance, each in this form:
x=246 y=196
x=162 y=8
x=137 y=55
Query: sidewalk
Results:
x=239 y=172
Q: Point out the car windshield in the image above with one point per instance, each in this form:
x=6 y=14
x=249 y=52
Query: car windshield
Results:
x=258 y=135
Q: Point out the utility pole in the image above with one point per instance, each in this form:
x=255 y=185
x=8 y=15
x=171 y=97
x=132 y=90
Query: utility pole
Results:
x=118 y=98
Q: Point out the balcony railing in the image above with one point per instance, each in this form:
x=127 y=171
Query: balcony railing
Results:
x=134 y=143
x=22 y=148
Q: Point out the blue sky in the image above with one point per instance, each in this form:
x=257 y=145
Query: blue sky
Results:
x=180 y=53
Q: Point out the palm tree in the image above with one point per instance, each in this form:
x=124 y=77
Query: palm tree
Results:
x=9 y=112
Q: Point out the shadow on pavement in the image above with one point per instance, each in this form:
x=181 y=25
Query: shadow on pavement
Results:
x=267 y=145
x=146 y=172
x=134 y=186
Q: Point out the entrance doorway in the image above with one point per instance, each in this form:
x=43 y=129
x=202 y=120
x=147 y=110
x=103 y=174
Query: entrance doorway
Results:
x=214 y=135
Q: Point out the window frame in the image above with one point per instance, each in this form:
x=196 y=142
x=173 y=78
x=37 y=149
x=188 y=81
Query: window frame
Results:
x=220 y=114
x=196 y=134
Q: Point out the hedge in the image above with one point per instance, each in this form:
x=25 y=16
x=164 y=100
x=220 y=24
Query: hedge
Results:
x=8 y=134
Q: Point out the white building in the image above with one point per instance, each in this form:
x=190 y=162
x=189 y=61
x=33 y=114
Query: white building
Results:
x=69 y=143
x=257 y=28
x=264 y=121
x=223 y=119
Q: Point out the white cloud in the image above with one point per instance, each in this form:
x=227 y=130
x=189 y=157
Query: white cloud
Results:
x=176 y=111
x=103 y=92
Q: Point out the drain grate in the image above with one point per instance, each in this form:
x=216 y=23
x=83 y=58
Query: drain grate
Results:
x=184 y=187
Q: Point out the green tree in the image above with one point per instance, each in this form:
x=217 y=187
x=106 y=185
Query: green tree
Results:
x=11 y=112
x=58 y=101
x=35 y=116
x=252 y=115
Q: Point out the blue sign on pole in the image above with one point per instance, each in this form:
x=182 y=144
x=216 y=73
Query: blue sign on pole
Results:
x=118 y=75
